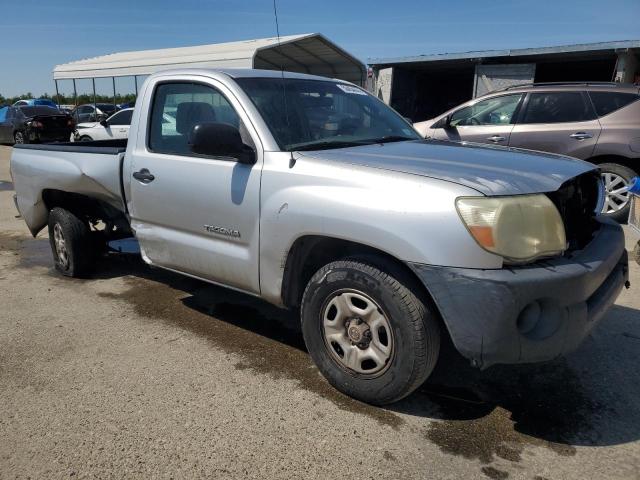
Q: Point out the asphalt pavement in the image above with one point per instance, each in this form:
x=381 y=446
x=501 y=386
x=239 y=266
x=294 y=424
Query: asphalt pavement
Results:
x=140 y=373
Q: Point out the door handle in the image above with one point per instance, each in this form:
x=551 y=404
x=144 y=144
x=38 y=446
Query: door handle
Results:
x=496 y=139
x=581 y=135
x=144 y=176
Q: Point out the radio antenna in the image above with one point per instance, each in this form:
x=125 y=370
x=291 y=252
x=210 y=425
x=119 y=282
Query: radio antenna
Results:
x=284 y=85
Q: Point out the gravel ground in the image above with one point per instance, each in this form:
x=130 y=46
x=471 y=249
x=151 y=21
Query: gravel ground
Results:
x=138 y=373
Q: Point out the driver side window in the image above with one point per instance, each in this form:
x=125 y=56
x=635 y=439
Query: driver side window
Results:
x=178 y=107
x=492 y=111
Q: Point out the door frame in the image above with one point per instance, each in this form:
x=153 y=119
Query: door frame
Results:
x=141 y=150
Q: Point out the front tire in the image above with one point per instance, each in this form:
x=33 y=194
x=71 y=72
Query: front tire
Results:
x=369 y=332
x=616 y=179
x=85 y=138
x=70 y=240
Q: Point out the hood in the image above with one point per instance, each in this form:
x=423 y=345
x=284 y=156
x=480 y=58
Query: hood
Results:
x=491 y=170
x=87 y=125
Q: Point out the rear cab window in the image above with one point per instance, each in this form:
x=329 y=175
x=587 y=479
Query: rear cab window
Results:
x=557 y=107
x=608 y=102
x=39 y=110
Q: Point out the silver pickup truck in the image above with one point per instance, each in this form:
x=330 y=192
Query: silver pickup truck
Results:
x=315 y=196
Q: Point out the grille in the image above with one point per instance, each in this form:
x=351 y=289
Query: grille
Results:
x=577 y=200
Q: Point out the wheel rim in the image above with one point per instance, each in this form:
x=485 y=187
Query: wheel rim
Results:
x=617 y=192
x=61 y=246
x=19 y=138
x=357 y=333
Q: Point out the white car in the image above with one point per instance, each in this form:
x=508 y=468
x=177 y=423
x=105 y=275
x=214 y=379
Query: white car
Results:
x=116 y=126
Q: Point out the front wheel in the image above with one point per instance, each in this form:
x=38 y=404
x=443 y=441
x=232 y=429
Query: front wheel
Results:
x=85 y=138
x=368 y=331
x=616 y=179
x=70 y=240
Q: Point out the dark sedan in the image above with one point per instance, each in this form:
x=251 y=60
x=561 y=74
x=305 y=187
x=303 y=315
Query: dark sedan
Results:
x=34 y=124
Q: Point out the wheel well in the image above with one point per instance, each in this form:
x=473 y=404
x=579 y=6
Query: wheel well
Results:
x=91 y=209
x=310 y=253
x=632 y=163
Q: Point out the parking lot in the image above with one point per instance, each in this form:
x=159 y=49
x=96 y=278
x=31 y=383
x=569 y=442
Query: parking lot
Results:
x=136 y=372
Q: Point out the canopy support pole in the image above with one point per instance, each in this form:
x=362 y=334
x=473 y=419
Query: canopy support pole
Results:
x=57 y=92
x=114 y=90
x=75 y=93
x=95 y=105
x=135 y=82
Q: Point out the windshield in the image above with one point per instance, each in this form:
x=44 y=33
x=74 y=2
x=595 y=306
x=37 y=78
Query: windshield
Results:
x=318 y=114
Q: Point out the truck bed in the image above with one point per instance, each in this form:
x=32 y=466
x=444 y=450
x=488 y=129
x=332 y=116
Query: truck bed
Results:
x=92 y=169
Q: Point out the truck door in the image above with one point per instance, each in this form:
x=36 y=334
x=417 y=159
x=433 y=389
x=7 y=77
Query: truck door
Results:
x=195 y=214
x=486 y=121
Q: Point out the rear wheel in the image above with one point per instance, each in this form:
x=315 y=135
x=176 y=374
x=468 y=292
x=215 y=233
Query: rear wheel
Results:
x=617 y=179
x=368 y=331
x=19 y=138
x=71 y=245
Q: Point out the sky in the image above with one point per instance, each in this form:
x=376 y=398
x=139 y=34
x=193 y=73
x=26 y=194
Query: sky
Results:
x=39 y=34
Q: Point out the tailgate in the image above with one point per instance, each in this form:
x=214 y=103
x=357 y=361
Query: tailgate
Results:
x=54 y=122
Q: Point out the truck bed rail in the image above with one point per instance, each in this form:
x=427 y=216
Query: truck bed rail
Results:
x=107 y=147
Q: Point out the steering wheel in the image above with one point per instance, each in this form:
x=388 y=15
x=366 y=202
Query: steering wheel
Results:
x=473 y=121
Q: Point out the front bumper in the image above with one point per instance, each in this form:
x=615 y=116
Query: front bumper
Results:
x=530 y=313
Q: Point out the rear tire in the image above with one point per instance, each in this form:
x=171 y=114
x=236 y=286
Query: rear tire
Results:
x=19 y=138
x=617 y=203
x=71 y=245
x=402 y=333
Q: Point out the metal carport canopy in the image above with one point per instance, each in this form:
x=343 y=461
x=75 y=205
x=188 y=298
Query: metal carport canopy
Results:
x=306 y=53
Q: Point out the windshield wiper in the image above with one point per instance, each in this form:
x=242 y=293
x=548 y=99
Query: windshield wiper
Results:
x=343 y=144
x=323 y=146
x=388 y=139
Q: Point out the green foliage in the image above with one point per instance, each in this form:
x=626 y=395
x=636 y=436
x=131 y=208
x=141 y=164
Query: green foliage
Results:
x=68 y=99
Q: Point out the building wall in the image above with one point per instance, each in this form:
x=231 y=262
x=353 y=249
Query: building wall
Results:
x=423 y=90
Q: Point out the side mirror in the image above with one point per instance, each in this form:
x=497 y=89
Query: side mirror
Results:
x=444 y=122
x=220 y=140
x=104 y=122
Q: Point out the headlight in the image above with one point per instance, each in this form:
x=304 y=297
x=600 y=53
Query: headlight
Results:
x=520 y=228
